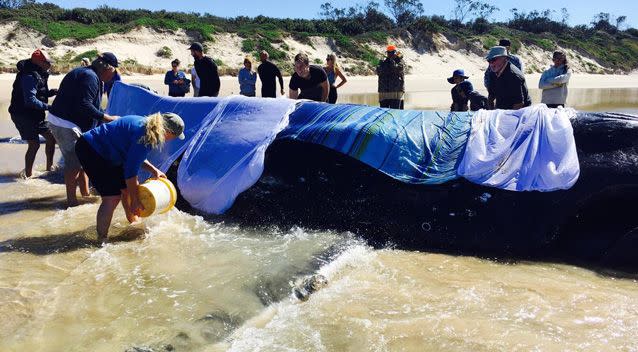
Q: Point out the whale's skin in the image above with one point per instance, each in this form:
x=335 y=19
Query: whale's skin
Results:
x=595 y=222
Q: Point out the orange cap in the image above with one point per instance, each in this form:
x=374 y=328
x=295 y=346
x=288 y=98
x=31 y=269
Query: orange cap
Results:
x=40 y=56
x=391 y=48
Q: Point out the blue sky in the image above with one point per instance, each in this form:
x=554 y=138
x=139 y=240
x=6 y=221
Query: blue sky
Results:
x=581 y=11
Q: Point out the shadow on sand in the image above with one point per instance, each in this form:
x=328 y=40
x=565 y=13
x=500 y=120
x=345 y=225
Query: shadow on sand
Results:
x=60 y=243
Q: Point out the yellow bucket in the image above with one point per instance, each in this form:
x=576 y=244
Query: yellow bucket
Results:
x=157 y=195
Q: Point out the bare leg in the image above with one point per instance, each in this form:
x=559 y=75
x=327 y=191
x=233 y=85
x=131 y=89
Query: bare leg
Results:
x=83 y=183
x=29 y=157
x=126 y=204
x=49 y=149
x=71 y=181
x=105 y=215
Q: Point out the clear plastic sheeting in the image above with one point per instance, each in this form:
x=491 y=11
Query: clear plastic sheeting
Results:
x=420 y=147
x=226 y=156
x=127 y=99
x=530 y=149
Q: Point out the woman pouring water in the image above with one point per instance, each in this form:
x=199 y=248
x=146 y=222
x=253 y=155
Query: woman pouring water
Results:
x=112 y=154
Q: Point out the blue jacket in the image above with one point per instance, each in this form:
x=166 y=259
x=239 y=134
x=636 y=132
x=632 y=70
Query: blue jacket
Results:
x=31 y=92
x=79 y=98
x=119 y=142
x=247 y=81
x=174 y=89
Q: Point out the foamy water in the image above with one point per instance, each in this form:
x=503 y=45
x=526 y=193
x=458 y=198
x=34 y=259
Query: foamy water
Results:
x=180 y=281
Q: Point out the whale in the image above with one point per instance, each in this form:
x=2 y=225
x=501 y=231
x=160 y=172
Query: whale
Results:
x=309 y=182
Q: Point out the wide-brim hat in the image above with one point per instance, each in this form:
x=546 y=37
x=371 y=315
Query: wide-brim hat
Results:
x=496 y=51
x=457 y=73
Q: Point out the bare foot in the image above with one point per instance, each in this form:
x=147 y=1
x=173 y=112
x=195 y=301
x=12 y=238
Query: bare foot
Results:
x=72 y=204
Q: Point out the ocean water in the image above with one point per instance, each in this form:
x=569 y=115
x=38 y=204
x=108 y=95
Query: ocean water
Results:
x=182 y=282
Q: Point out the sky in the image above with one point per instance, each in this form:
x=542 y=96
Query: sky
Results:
x=580 y=11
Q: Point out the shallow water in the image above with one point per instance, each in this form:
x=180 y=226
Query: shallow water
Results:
x=586 y=99
x=197 y=285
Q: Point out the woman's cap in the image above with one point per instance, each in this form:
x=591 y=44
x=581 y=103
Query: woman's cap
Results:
x=391 y=48
x=174 y=124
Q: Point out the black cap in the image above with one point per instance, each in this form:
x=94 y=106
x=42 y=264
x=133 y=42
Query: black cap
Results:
x=196 y=46
x=504 y=42
x=109 y=58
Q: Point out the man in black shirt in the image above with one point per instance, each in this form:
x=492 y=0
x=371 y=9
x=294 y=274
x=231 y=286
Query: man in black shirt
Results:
x=311 y=80
x=267 y=74
x=206 y=70
x=507 y=88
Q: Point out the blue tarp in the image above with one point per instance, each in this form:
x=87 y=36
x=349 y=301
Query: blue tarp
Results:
x=226 y=139
x=421 y=147
x=133 y=100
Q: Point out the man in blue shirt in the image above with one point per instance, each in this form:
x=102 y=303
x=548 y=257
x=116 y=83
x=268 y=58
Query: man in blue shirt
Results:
x=29 y=101
x=76 y=109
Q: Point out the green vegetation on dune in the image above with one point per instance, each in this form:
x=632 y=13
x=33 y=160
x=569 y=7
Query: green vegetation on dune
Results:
x=358 y=32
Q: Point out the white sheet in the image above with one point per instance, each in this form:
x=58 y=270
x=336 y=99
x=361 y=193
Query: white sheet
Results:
x=530 y=149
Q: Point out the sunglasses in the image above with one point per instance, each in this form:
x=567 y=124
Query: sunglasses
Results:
x=492 y=59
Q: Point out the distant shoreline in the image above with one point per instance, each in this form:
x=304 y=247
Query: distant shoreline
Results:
x=365 y=84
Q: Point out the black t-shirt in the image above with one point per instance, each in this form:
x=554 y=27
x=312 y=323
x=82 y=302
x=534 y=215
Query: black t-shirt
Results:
x=267 y=73
x=310 y=87
x=209 y=82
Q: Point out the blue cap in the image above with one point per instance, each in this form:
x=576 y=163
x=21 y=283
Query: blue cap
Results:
x=457 y=73
x=109 y=58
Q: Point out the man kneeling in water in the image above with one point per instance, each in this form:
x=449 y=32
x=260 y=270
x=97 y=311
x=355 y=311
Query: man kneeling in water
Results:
x=112 y=154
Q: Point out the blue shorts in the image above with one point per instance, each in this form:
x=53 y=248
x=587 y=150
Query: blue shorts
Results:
x=29 y=127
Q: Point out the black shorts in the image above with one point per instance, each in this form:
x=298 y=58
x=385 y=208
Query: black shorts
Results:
x=29 y=127
x=108 y=179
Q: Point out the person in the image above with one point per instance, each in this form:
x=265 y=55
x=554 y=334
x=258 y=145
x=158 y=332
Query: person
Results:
x=112 y=155
x=391 y=79
x=175 y=80
x=308 y=81
x=512 y=58
x=507 y=89
x=554 y=81
x=29 y=101
x=108 y=86
x=247 y=78
x=461 y=91
x=267 y=73
x=206 y=71
x=76 y=109
x=333 y=71
x=195 y=81
x=85 y=62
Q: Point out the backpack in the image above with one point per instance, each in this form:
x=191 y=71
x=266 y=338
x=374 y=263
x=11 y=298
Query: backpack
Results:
x=478 y=101
x=186 y=86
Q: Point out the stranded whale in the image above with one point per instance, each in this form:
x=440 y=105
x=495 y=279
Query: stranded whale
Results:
x=348 y=182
